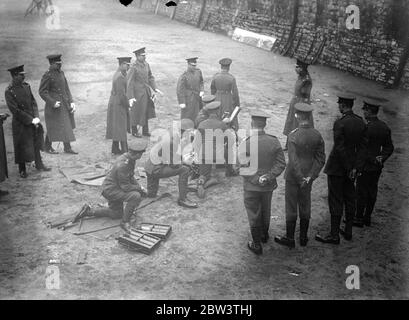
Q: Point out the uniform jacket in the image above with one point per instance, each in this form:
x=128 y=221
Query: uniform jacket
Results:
x=117 y=115
x=302 y=93
x=59 y=121
x=3 y=155
x=348 y=151
x=121 y=176
x=270 y=160
x=140 y=83
x=306 y=153
x=189 y=86
x=379 y=144
x=224 y=87
x=21 y=102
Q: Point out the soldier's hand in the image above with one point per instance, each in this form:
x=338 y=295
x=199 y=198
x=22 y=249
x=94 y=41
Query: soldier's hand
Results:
x=73 y=108
x=226 y=120
x=182 y=106
x=158 y=91
x=131 y=102
x=201 y=94
x=35 y=121
x=57 y=104
x=379 y=159
x=352 y=174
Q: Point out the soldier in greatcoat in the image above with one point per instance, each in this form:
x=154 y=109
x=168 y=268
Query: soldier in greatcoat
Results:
x=190 y=90
x=27 y=129
x=224 y=87
x=141 y=89
x=59 y=106
x=117 y=115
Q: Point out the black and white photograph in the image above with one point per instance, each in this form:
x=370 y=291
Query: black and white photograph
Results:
x=204 y=150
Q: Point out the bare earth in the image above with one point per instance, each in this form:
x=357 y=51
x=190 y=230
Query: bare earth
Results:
x=206 y=255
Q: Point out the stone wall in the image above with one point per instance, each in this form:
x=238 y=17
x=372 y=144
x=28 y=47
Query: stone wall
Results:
x=320 y=34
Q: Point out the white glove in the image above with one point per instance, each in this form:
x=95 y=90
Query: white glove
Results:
x=131 y=102
x=226 y=120
x=182 y=105
x=35 y=121
x=73 y=108
x=160 y=92
x=201 y=94
x=57 y=104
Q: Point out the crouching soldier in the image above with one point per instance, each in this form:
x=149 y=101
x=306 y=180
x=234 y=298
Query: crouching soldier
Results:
x=121 y=186
x=306 y=153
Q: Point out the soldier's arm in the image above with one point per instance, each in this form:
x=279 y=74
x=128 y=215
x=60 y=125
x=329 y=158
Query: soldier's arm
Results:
x=151 y=79
x=293 y=159
x=44 y=90
x=319 y=160
x=18 y=114
x=387 y=147
x=362 y=151
x=67 y=88
x=180 y=89
x=35 y=106
x=279 y=160
x=130 y=83
x=213 y=87
x=339 y=145
x=124 y=181
x=201 y=81
x=236 y=98
x=120 y=88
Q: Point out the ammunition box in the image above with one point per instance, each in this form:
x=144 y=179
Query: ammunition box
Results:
x=161 y=231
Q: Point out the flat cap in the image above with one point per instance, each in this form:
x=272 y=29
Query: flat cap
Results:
x=212 y=105
x=192 y=60
x=186 y=124
x=225 y=61
x=342 y=96
x=259 y=114
x=303 y=107
x=16 y=70
x=54 y=58
x=208 y=98
x=124 y=60
x=140 y=51
x=372 y=104
x=137 y=144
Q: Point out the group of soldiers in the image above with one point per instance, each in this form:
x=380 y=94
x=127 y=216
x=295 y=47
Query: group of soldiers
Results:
x=353 y=167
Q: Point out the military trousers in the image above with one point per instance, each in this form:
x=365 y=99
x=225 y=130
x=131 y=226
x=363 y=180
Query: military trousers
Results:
x=258 y=207
x=367 y=190
x=166 y=171
x=297 y=200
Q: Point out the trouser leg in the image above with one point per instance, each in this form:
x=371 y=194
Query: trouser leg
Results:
x=291 y=203
x=145 y=128
x=362 y=195
x=132 y=202
x=115 y=147
x=204 y=172
x=252 y=205
x=372 y=193
x=22 y=167
x=37 y=158
x=335 y=202
x=152 y=185
x=114 y=210
x=182 y=182
x=124 y=146
x=67 y=146
x=350 y=204
x=304 y=202
x=47 y=143
x=265 y=211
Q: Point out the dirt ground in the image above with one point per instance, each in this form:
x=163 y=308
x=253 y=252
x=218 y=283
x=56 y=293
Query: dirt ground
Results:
x=206 y=255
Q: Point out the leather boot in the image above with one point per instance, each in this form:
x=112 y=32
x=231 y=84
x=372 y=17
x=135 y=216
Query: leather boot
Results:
x=187 y=203
x=333 y=237
x=288 y=239
x=304 y=223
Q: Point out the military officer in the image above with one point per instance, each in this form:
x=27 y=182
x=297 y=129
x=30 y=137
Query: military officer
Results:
x=59 y=106
x=190 y=90
x=224 y=87
x=165 y=161
x=344 y=163
x=27 y=129
x=379 y=149
x=306 y=153
x=212 y=148
x=121 y=186
x=141 y=88
x=117 y=116
x=203 y=115
x=266 y=162
x=3 y=155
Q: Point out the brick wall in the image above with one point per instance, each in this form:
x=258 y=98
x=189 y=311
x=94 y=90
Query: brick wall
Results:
x=320 y=35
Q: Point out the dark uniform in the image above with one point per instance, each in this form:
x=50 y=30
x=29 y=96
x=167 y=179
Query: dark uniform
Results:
x=190 y=87
x=380 y=146
x=260 y=181
x=346 y=156
x=203 y=114
x=3 y=154
x=141 y=86
x=117 y=115
x=302 y=93
x=27 y=135
x=163 y=162
x=60 y=121
x=306 y=153
x=224 y=87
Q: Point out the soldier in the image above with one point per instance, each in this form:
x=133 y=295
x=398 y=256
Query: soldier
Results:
x=117 y=116
x=3 y=155
x=203 y=115
x=224 y=87
x=210 y=149
x=164 y=162
x=190 y=90
x=379 y=149
x=121 y=186
x=344 y=163
x=306 y=153
x=140 y=90
x=27 y=129
x=59 y=106
x=268 y=162
x=302 y=93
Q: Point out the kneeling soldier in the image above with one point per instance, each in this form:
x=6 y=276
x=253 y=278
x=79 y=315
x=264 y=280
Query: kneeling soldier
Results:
x=121 y=186
x=306 y=153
